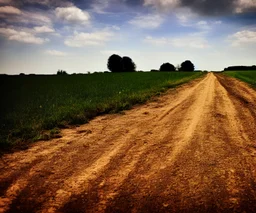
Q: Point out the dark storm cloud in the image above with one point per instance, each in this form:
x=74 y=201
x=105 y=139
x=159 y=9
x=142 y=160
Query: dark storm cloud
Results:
x=42 y=4
x=210 y=7
x=206 y=7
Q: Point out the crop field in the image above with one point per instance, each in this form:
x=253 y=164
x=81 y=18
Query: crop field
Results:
x=34 y=107
x=247 y=76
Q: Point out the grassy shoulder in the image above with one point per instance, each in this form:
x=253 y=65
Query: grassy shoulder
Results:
x=36 y=107
x=246 y=76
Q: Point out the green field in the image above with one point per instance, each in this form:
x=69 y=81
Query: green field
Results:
x=30 y=105
x=247 y=76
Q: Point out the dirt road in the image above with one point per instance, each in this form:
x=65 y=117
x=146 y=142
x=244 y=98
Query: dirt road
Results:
x=191 y=150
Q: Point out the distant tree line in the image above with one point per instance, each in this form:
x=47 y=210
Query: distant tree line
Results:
x=117 y=63
x=240 y=68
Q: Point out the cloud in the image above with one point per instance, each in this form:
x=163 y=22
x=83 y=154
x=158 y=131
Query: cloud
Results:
x=156 y=41
x=110 y=52
x=162 y=4
x=10 y=10
x=243 y=5
x=99 y=6
x=44 y=29
x=184 y=16
x=242 y=38
x=218 y=22
x=203 y=25
x=27 y=17
x=7 y=32
x=5 y=1
x=88 y=39
x=21 y=36
x=190 y=41
x=205 y=7
x=147 y=22
x=36 y=3
x=55 y=53
x=72 y=15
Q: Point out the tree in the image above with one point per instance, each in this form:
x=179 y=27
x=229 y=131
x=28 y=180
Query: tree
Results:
x=240 y=68
x=61 y=72
x=187 y=66
x=167 y=67
x=115 y=63
x=128 y=64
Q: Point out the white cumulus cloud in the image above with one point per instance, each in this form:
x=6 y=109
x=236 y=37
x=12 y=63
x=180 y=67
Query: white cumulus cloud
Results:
x=72 y=15
x=242 y=5
x=44 y=29
x=147 y=22
x=27 y=17
x=243 y=37
x=21 y=36
x=88 y=39
x=10 y=10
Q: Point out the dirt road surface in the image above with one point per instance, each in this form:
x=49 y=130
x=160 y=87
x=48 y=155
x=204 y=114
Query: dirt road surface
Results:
x=191 y=150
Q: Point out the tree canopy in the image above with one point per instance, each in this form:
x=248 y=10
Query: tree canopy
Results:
x=115 y=63
x=187 y=66
x=118 y=64
x=128 y=64
x=167 y=67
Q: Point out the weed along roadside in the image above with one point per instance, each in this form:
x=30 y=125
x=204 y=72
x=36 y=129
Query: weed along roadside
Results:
x=36 y=107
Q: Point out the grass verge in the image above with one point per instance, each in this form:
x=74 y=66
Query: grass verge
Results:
x=246 y=76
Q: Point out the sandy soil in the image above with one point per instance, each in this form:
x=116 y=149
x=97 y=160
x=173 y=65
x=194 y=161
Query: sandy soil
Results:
x=191 y=150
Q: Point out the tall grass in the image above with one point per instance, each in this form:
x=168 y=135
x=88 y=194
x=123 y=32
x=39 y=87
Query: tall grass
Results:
x=32 y=104
x=247 y=76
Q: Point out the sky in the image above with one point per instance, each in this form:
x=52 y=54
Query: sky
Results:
x=78 y=36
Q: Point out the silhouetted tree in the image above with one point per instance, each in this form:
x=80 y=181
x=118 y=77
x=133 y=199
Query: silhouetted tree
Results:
x=187 y=66
x=240 y=68
x=118 y=64
x=61 y=72
x=115 y=63
x=128 y=64
x=167 y=67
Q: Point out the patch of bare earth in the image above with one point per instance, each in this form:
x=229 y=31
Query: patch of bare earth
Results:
x=191 y=150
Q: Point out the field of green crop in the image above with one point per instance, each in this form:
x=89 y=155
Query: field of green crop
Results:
x=247 y=76
x=30 y=105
